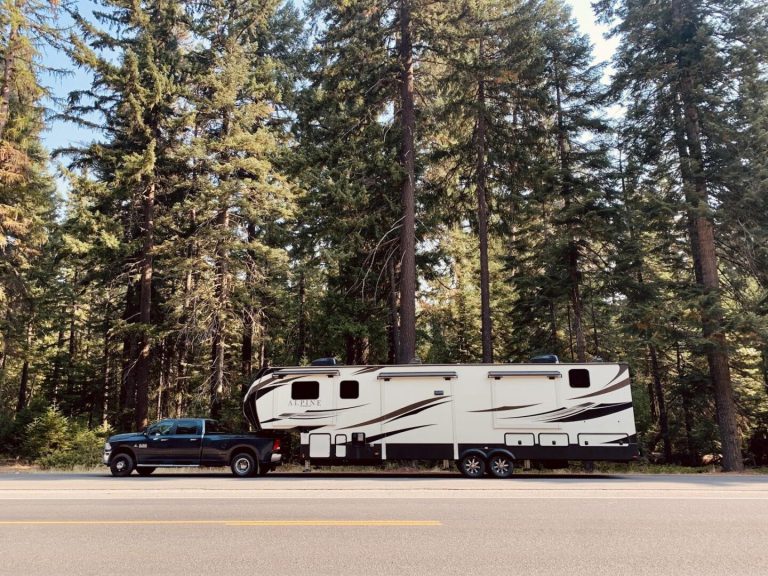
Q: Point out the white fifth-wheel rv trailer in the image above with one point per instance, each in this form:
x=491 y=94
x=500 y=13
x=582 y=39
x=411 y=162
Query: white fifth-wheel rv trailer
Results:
x=483 y=416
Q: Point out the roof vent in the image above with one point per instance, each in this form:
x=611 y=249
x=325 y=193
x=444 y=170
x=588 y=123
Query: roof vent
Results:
x=545 y=359
x=324 y=362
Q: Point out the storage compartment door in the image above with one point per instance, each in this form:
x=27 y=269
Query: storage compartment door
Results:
x=319 y=446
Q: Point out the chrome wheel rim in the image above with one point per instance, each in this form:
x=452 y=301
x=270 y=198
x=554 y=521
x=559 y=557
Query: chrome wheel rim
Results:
x=120 y=464
x=500 y=467
x=473 y=466
x=242 y=465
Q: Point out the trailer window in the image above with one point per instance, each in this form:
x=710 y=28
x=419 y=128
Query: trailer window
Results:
x=578 y=377
x=305 y=390
x=349 y=389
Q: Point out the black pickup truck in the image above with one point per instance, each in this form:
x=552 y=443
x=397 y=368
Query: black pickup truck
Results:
x=191 y=442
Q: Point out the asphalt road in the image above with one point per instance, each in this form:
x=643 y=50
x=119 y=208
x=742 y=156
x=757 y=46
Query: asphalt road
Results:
x=368 y=525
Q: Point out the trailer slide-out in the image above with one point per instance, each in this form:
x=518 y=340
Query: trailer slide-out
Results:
x=483 y=416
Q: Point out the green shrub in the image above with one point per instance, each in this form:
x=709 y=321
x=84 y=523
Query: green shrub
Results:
x=85 y=450
x=53 y=441
x=47 y=434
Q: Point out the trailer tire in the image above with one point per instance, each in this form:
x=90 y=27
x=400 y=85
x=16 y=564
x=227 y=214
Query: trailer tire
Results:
x=500 y=466
x=243 y=465
x=144 y=471
x=121 y=465
x=472 y=465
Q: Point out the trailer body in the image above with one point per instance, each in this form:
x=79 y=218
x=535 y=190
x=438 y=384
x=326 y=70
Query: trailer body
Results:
x=370 y=414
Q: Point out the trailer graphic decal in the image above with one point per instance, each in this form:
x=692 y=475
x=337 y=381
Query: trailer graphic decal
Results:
x=588 y=411
x=503 y=408
x=622 y=375
x=368 y=369
x=393 y=432
x=605 y=390
x=412 y=412
x=595 y=411
x=392 y=415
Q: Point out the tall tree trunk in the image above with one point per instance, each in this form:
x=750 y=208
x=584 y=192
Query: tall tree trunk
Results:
x=72 y=346
x=222 y=293
x=24 y=380
x=407 y=351
x=661 y=403
x=572 y=250
x=699 y=214
x=393 y=334
x=144 y=359
x=249 y=311
x=301 y=342
x=58 y=368
x=8 y=73
x=106 y=370
x=127 y=398
x=482 y=217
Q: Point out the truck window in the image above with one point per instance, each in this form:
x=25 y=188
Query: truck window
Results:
x=349 y=389
x=188 y=427
x=578 y=378
x=162 y=428
x=305 y=390
x=213 y=427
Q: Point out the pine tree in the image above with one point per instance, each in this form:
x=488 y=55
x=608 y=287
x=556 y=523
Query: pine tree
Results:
x=676 y=60
x=26 y=188
x=135 y=97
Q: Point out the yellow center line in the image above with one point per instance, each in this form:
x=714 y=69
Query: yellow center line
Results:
x=221 y=522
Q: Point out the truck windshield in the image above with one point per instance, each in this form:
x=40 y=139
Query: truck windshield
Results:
x=162 y=428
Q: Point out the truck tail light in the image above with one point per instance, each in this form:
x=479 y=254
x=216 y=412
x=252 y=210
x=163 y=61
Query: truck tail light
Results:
x=276 y=445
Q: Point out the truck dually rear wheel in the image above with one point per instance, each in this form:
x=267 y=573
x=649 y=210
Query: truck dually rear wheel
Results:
x=243 y=465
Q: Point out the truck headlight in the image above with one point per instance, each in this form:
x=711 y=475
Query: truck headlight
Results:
x=107 y=446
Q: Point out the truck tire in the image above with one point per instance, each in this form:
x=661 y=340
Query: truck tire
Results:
x=472 y=466
x=144 y=471
x=500 y=466
x=121 y=465
x=243 y=465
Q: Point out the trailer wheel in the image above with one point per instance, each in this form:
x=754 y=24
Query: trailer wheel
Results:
x=243 y=465
x=121 y=465
x=500 y=466
x=472 y=466
x=144 y=471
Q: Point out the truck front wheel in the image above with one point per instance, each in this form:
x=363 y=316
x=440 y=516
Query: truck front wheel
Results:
x=243 y=465
x=121 y=465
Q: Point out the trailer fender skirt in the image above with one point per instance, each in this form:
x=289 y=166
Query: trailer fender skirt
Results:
x=493 y=453
x=469 y=451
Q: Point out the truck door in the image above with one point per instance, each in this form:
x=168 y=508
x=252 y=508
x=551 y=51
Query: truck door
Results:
x=155 y=450
x=184 y=445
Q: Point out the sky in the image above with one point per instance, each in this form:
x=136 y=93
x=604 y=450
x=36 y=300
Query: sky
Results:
x=64 y=134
